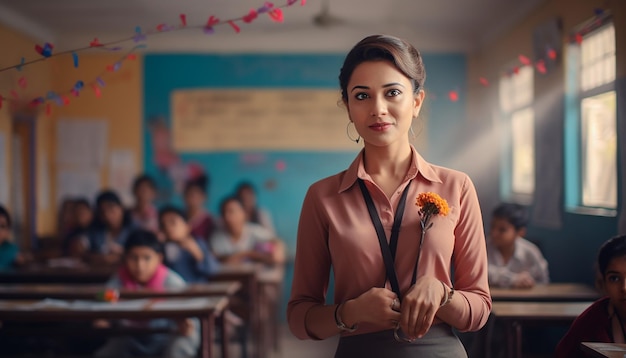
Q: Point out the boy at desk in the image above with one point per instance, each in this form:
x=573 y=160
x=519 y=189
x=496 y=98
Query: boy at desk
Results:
x=9 y=252
x=187 y=255
x=513 y=261
x=143 y=268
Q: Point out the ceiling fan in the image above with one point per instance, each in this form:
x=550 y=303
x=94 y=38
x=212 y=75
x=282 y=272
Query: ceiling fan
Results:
x=325 y=19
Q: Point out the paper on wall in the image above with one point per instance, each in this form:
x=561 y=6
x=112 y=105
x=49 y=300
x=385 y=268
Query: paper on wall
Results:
x=122 y=171
x=77 y=183
x=81 y=143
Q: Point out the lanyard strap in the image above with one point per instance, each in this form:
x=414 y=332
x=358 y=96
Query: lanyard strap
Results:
x=388 y=250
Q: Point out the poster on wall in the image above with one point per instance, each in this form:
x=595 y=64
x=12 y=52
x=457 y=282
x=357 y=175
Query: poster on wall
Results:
x=122 y=169
x=259 y=119
x=77 y=183
x=82 y=143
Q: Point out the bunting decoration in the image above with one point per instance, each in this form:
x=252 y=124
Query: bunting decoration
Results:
x=46 y=51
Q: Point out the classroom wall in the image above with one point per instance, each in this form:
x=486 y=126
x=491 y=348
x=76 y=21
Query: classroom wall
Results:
x=120 y=105
x=571 y=245
x=38 y=80
x=282 y=187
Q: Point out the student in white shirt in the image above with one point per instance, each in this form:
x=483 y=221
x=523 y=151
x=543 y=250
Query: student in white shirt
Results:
x=513 y=261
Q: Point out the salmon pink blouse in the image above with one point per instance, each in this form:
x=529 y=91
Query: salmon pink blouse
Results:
x=335 y=230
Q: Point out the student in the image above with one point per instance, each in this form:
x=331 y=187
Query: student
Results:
x=9 y=252
x=112 y=226
x=513 y=261
x=604 y=320
x=143 y=269
x=238 y=240
x=195 y=196
x=144 y=213
x=184 y=254
x=66 y=220
x=256 y=215
x=75 y=242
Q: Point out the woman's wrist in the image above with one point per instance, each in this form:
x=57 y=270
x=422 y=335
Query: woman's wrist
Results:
x=348 y=314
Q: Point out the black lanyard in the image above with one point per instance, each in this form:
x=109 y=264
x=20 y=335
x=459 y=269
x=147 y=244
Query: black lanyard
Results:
x=388 y=250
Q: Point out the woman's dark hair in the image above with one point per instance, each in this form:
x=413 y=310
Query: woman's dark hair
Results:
x=201 y=183
x=4 y=212
x=227 y=200
x=515 y=214
x=402 y=54
x=612 y=248
x=143 y=238
x=144 y=179
x=170 y=209
x=109 y=196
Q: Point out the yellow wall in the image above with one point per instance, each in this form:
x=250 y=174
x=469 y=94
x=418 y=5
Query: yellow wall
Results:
x=120 y=105
x=502 y=53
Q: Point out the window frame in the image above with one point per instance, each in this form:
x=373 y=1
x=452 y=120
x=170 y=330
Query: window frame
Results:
x=573 y=136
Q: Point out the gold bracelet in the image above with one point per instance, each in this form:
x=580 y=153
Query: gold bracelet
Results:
x=342 y=326
x=448 y=294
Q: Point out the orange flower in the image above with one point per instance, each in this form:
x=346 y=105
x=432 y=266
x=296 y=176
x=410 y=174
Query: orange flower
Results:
x=432 y=204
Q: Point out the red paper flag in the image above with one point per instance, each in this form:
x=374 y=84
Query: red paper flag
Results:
x=541 y=67
x=131 y=56
x=15 y=95
x=453 y=95
x=516 y=70
x=66 y=101
x=183 y=19
x=212 y=21
x=234 y=26
x=96 y=90
x=95 y=43
x=484 y=81
x=1 y=98
x=281 y=165
x=22 y=82
x=578 y=38
x=524 y=60
x=250 y=16
x=552 y=54
x=277 y=15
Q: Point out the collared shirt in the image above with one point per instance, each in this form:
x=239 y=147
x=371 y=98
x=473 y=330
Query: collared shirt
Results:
x=335 y=229
x=253 y=235
x=526 y=258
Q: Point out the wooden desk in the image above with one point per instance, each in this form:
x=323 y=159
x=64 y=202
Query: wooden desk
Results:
x=270 y=281
x=205 y=309
x=41 y=273
x=516 y=314
x=604 y=350
x=553 y=292
x=91 y=291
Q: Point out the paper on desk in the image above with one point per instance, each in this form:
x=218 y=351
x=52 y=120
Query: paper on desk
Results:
x=126 y=305
x=180 y=304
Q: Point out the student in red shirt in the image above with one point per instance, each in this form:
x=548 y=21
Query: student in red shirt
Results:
x=604 y=320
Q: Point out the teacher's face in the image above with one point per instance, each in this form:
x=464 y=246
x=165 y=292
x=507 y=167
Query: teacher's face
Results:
x=381 y=103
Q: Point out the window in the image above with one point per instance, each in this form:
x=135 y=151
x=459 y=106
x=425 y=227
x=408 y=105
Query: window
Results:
x=592 y=173
x=516 y=100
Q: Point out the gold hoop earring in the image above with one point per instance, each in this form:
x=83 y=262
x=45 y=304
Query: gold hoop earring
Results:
x=348 y=133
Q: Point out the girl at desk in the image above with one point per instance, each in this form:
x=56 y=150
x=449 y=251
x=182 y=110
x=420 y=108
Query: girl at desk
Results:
x=112 y=226
x=239 y=241
x=604 y=320
x=143 y=269
x=188 y=256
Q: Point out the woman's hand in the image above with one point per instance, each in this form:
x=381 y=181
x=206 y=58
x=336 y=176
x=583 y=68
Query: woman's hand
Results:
x=420 y=305
x=373 y=306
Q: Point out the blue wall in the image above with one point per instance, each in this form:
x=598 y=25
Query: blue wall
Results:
x=166 y=73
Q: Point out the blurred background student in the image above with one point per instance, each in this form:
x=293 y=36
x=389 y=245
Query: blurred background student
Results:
x=143 y=268
x=9 y=251
x=255 y=214
x=111 y=228
x=237 y=240
x=186 y=255
x=195 y=196
x=144 y=213
x=513 y=261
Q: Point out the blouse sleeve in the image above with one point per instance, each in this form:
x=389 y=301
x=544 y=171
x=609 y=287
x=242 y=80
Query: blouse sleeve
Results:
x=209 y=264
x=312 y=265
x=470 y=263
